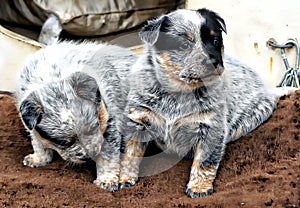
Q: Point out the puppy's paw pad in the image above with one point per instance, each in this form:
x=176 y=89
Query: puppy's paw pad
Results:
x=35 y=161
x=197 y=194
x=128 y=183
x=110 y=186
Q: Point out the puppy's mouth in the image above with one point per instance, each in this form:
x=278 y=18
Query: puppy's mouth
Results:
x=190 y=80
x=197 y=80
x=193 y=77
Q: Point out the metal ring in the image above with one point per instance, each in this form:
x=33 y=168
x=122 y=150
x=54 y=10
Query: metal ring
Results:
x=275 y=45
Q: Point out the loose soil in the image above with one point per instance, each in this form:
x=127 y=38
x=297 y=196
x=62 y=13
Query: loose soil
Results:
x=260 y=170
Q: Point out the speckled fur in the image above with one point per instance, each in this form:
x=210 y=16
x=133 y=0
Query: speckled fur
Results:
x=190 y=99
x=70 y=96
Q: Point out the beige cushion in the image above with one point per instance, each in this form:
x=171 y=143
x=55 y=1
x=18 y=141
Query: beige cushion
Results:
x=13 y=47
x=87 y=18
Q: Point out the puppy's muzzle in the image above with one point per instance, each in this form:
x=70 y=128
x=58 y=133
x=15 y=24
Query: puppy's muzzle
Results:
x=200 y=71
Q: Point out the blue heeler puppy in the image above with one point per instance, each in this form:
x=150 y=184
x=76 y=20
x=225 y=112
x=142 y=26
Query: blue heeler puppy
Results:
x=188 y=98
x=70 y=97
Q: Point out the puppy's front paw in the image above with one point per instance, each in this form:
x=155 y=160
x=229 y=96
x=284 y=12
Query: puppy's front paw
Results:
x=196 y=192
x=110 y=183
x=108 y=173
x=35 y=160
x=128 y=182
x=199 y=186
x=201 y=181
x=129 y=174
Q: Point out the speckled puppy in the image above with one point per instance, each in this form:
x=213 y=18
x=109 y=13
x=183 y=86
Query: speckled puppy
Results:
x=188 y=99
x=70 y=97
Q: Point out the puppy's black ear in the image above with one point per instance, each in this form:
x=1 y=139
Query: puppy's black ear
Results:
x=31 y=111
x=150 y=32
x=221 y=23
x=213 y=17
x=85 y=87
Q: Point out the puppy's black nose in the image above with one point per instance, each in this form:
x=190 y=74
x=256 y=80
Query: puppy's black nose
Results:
x=190 y=73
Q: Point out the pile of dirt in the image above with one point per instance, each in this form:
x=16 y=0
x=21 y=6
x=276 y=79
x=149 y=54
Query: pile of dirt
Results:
x=260 y=170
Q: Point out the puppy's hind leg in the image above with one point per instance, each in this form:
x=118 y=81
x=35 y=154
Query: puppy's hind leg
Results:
x=41 y=156
x=254 y=114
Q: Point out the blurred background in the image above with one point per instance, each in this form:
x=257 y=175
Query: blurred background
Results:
x=79 y=19
x=28 y=25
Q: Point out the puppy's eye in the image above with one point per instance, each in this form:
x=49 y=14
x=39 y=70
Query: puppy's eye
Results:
x=216 y=43
x=67 y=142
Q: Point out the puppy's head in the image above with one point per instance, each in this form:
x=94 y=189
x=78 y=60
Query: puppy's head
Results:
x=189 y=46
x=64 y=116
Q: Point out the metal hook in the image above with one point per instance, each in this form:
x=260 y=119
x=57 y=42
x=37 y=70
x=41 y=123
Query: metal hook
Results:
x=291 y=75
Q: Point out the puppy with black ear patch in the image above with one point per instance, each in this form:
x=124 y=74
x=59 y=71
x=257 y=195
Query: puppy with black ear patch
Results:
x=188 y=98
x=70 y=97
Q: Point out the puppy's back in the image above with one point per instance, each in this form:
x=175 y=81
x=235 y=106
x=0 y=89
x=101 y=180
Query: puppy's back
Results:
x=60 y=60
x=51 y=64
x=250 y=102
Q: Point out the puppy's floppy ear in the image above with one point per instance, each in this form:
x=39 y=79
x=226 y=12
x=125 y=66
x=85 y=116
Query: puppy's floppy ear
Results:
x=31 y=111
x=150 y=32
x=208 y=14
x=85 y=87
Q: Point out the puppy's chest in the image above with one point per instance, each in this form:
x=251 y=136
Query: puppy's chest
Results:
x=172 y=119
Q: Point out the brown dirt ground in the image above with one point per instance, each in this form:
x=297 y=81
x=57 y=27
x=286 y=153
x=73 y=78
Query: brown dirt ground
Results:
x=260 y=170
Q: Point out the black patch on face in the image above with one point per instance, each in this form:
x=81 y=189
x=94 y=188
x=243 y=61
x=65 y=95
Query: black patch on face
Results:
x=59 y=142
x=211 y=35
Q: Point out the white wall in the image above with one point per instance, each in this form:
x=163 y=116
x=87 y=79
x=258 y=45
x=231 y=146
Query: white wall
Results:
x=14 y=51
x=250 y=24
